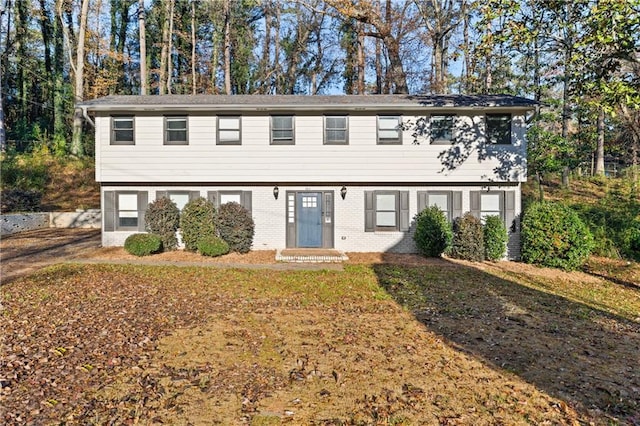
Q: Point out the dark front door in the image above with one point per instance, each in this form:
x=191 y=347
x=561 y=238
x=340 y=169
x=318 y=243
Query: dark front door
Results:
x=309 y=223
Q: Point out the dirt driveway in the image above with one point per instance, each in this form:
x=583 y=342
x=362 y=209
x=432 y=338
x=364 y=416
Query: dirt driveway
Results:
x=27 y=251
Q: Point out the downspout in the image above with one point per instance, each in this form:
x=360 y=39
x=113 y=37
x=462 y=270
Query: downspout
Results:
x=86 y=116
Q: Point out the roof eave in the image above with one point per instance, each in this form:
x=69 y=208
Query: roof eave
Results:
x=281 y=107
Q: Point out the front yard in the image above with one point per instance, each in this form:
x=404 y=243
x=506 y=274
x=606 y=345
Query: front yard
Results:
x=386 y=343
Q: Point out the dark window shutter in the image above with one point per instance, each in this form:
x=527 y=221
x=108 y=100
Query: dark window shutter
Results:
x=109 y=211
x=193 y=195
x=162 y=194
x=510 y=210
x=475 y=203
x=246 y=200
x=423 y=197
x=143 y=203
x=404 y=210
x=456 y=204
x=369 y=223
x=213 y=197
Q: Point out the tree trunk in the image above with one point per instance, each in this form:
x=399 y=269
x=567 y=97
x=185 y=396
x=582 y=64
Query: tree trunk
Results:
x=76 y=141
x=227 y=47
x=170 y=49
x=58 y=68
x=193 y=48
x=599 y=170
x=361 y=60
x=379 y=75
x=144 y=85
x=162 y=75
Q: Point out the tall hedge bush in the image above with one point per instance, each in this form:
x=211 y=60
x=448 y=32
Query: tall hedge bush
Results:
x=495 y=238
x=554 y=235
x=468 y=238
x=197 y=221
x=235 y=226
x=433 y=232
x=163 y=219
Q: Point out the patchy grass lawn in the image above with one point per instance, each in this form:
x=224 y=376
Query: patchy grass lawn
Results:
x=442 y=343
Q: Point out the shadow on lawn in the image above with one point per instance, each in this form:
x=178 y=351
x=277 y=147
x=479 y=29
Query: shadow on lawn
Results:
x=582 y=355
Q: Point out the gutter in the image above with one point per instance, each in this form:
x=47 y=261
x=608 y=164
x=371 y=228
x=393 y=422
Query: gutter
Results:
x=83 y=108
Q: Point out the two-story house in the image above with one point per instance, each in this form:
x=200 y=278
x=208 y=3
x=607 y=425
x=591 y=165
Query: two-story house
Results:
x=345 y=172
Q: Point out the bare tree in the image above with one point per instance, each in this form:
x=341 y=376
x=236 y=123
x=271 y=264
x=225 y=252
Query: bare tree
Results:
x=144 y=84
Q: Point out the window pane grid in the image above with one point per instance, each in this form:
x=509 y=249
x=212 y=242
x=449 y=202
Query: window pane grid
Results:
x=176 y=130
x=122 y=130
x=389 y=129
x=128 y=210
x=499 y=128
x=386 y=211
x=442 y=127
x=281 y=129
x=335 y=129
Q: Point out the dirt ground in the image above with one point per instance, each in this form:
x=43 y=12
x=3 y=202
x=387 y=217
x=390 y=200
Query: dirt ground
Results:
x=25 y=252
x=456 y=343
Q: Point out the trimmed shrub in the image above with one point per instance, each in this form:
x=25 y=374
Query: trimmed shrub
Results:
x=20 y=200
x=468 y=238
x=433 y=232
x=142 y=244
x=495 y=238
x=196 y=221
x=235 y=225
x=554 y=235
x=163 y=219
x=212 y=246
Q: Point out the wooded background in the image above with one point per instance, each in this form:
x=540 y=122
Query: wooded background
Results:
x=580 y=59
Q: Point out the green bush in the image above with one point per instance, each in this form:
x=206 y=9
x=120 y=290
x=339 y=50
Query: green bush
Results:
x=235 y=225
x=495 y=238
x=468 y=238
x=142 y=244
x=554 y=235
x=631 y=240
x=20 y=200
x=433 y=232
x=196 y=221
x=212 y=246
x=163 y=219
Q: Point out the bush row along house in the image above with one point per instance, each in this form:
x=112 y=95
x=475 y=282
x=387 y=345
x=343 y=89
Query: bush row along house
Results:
x=347 y=172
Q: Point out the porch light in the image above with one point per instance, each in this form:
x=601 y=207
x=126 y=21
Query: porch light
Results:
x=343 y=192
x=276 y=191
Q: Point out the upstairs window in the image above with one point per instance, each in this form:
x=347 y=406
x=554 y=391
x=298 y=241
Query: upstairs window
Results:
x=282 y=130
x=335 y=129
x=389 y=129
x=442 y=127
x=229 y=131
x=122 y=131
x=499 y=129
x=175 y=131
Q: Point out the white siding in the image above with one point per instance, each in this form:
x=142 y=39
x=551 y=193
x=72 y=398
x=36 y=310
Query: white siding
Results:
x=309 y=160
